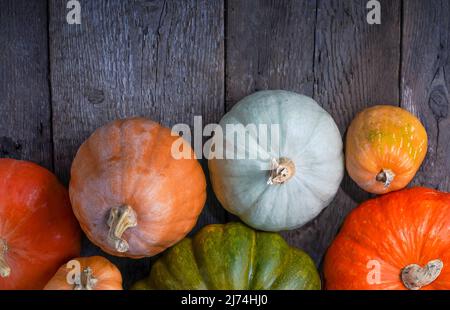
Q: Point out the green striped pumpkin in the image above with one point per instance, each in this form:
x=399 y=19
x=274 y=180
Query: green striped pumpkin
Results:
x=232 y=257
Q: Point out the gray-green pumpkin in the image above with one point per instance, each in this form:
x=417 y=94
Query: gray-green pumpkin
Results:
x=232 y=257
x=282 y=180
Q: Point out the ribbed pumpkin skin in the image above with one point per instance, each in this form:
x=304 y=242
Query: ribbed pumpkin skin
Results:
x=411 y=226
x=384 y=137
x=232 y=257
x=129 y=162
x=37 y=224
x=308 y=136
x=106 y=273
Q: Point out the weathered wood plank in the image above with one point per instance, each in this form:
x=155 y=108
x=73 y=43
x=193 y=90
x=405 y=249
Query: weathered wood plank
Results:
x=270 y=45
x=328 y=51
x=25 y=129
x=160 y=59
x=355 y=65
x=426 y=83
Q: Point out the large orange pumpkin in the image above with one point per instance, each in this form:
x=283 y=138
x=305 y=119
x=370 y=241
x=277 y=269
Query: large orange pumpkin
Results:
x=398 y=241
x=130 y=194
x=86 y=273
x=38 y=231
x=385 y=147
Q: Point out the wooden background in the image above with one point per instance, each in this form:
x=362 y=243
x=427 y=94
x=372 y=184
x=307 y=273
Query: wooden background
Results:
x=171 y=60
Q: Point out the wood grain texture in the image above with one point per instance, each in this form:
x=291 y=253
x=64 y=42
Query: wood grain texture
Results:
x=166 y=60
x=425 y=83
x=356 y=65
x=25 y=129
x=159 y=59
x=270 y=45
x=324 y=49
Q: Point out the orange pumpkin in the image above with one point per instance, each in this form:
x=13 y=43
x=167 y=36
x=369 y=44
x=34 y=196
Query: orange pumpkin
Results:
x=385 y=147
x=86 y=273
x=397 y=241
x=38 y=231
x=130 y=195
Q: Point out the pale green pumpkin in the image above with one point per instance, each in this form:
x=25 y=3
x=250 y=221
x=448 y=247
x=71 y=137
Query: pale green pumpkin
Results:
x=294 y=177
x=232 y=257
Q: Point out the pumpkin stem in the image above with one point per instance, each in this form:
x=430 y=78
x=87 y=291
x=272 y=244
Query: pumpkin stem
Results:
x=415 y=277
x=120 y=219
x=86 y=281
x=281 y=171
x=5 y=270
x=385 y=176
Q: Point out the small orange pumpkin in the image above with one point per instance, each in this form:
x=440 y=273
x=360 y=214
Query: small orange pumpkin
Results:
x=95 y=273
x=385 y=147
x=398 y=241
x=130 y=194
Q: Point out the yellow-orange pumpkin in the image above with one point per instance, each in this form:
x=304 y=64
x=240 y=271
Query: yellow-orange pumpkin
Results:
x=130 y=195
x=398 y=241
x=385 y=147
x=86 y=273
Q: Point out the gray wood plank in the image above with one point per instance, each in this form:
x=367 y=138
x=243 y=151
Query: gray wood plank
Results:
x=324 y=49
x=426 y=83
x=25 y=129
x=356 y=65
x=270 y=45
x=160 y=59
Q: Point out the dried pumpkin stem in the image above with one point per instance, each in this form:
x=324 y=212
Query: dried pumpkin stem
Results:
x=281 y=171
x=415 y=277
x=86 y=281
x=385 y=176
x=120 y=219
x=5 y=270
